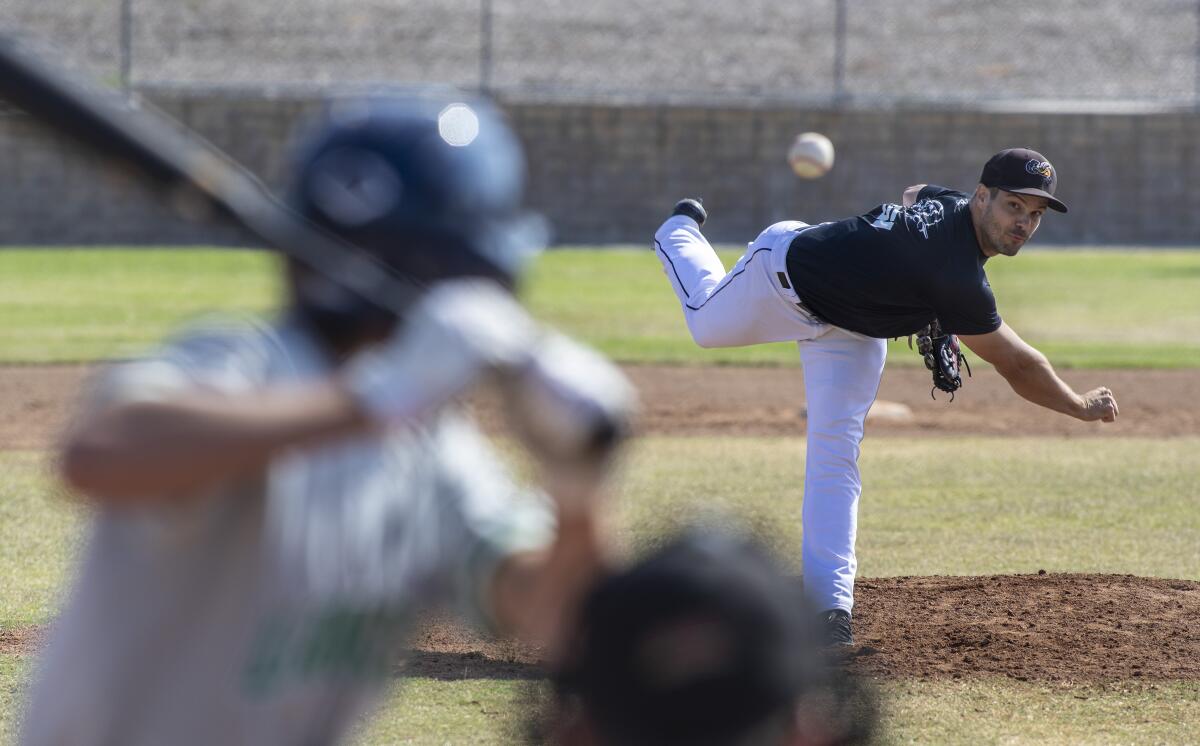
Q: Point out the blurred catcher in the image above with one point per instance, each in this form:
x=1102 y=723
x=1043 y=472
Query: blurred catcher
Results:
x=840 y=290
x=274 y=502
x=706 y=643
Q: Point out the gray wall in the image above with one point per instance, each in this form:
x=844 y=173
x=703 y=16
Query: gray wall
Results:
x=608 y=173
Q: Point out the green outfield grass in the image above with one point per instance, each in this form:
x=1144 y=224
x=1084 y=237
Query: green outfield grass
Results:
x=982 y=711
x=998 y=506
x=39 y=536
x=14 y=670
x=79 y=305
x=976 y=712
x=1083 y=308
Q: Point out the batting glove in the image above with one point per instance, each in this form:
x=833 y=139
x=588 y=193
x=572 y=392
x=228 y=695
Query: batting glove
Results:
x=568 y=403
x=459 y=330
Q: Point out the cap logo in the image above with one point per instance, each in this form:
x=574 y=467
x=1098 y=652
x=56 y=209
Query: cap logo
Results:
x=354 y=186
x=1039 y=168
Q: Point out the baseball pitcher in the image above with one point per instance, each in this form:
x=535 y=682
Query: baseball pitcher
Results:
x=275 y=501
x=840 y=289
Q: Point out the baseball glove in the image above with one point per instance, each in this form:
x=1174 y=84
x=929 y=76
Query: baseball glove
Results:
x=943 y=357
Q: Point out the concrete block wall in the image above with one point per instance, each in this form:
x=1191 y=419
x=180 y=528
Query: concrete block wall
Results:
x=608 y=173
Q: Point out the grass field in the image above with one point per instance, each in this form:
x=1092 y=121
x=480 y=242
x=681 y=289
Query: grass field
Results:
x=984 y=711
x=999 y=506
x=1083 y=308
x=82 y=305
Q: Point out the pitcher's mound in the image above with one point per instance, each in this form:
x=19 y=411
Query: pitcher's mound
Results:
x=1072 y=629
x=1056 y=628
x=1048 y=627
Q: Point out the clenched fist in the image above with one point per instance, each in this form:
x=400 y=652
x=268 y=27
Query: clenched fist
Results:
x=1099 y=404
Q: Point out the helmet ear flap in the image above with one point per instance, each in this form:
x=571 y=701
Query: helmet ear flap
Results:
x=337 y=315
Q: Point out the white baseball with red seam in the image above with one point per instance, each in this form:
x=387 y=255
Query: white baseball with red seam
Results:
x=811 y=155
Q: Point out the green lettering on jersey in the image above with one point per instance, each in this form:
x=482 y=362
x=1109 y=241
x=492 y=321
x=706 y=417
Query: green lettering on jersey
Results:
x=335 y=642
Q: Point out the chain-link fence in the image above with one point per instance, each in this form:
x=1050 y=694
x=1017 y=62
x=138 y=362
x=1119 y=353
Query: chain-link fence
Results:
x=789 y=50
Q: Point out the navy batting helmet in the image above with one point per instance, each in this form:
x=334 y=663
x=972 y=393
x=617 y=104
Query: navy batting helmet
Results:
x=430 y=184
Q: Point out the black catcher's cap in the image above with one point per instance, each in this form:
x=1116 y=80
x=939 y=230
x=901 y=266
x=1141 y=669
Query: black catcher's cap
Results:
x=1023 y=171
x=704 y=642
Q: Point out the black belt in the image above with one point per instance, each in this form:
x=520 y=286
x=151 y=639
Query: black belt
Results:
x=786 y=284
x=784 y=280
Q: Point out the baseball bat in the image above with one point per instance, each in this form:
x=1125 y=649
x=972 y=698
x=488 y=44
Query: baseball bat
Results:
x=197 y=178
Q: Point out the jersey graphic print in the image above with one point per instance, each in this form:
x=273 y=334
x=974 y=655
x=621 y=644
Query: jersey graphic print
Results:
x=924 y=214
x=889 y=272
x=920 y=216
x=887 y=216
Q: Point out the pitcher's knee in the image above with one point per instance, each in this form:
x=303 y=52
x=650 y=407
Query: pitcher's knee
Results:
x=710 y=336
x=705 y=338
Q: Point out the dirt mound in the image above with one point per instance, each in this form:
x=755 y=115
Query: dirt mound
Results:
x=1072 y=629
x=1052 y=627
x=21 y=640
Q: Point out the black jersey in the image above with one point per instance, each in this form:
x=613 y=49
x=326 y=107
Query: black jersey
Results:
x=890 y=272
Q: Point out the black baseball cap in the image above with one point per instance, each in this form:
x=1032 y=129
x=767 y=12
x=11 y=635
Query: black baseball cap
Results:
x=701 y=643
x=1023 y=171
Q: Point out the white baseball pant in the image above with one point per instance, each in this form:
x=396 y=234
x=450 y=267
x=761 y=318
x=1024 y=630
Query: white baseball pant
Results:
x=754 y=303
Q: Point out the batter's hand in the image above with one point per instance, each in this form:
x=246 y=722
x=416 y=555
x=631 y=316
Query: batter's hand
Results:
x=458 y=331
x=1099 y=404
x=569 y=405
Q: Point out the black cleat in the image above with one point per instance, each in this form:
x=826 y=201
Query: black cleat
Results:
x=691 y=208
x=834 y=628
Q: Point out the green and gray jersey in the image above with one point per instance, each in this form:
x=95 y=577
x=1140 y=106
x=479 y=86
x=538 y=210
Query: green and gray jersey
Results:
x=270 y=610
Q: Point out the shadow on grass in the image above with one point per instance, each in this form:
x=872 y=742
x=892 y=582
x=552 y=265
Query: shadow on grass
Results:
x=462 y=666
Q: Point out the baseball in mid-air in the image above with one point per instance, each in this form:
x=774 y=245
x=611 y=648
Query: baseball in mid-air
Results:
x=811 y=155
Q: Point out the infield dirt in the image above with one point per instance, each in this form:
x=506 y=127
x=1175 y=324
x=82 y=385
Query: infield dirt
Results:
x=35 y=401
x=1071 y=629
x=1043 y=627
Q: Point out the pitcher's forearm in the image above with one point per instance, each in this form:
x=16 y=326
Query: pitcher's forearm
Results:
x=1034 y=379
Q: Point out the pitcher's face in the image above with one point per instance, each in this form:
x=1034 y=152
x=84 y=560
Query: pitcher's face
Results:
x=1006 y=220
